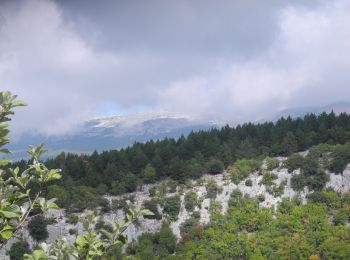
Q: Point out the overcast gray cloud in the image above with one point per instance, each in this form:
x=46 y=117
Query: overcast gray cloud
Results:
x=228 y=60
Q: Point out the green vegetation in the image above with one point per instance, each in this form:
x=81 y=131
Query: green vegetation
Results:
x=149 y=174
x=215 y=166
x=340 y=157
x=312 y=173
x=277 y=190
x=330 y=198
x=152 y=205
x=172 y=207
x=120 y=171
x=20 y=190
x=18 y=249
x=20 y=199
x=268 y=178
x=294 y=162
x=37 y=227
x=215 y=208
x=250 y=232
x=242 y=168
x=72 y=218
x=191 y=200
x=316 y=230
x=271 y=163
x=213 y=189
x=154 y=246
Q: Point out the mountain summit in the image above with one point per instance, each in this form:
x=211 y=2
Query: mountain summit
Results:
x=113 y=132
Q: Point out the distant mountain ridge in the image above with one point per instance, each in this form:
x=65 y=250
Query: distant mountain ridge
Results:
x=113 y=132
x=337 y=108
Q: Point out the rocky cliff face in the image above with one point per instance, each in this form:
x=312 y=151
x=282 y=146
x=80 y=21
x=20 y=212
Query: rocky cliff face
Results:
x=340 y=183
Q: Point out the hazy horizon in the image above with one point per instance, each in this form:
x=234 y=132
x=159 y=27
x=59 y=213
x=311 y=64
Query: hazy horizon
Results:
x=236 y=61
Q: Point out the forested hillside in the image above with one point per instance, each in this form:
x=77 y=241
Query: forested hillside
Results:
x=119 y=171
x=266 y=191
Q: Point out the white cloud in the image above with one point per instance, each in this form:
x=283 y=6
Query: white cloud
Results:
x=229 y=67
x=48 y=65
x=307 y=64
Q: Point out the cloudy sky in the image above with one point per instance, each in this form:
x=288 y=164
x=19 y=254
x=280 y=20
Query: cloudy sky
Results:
x=234 y=60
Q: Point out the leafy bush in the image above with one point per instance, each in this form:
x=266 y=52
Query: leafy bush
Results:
x=330 y=198
x=191 y=200
x=215 y=207
x=268 y=179
x=346 y=198
x=341 y=217
x=172 y=186
x=84 y=197
x=153 y=246
x=127 y=182
x=271 y=163
x=172 y=206
x=340 y=158
x=298 y=182
x=149 y=174
x=311 y=175
x=235 y=198
x=194 y=168
x=278 y=190
x=18 y=249
x=166 y=241
x=215 y=166
x=63 y=197
x=212 y=189
x=318 y=180
x=242 y=168
x=322 y=149
x=295 y=161
x=37 y=227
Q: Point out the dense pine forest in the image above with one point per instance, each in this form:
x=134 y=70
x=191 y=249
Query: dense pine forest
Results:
x=121 y=171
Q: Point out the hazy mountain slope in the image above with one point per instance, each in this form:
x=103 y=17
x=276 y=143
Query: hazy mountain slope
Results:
x=115 y=132
x=295 y=112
